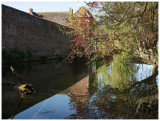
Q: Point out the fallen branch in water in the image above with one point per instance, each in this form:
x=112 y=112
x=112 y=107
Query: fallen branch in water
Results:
x=17 y=75
x=24 y=88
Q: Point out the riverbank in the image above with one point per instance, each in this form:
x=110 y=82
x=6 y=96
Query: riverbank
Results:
x=147 y=56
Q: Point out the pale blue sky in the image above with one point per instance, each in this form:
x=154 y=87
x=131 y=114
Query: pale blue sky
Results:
x=42 y=6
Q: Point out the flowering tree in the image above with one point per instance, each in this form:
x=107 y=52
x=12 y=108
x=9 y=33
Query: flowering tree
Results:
x=129 y=25
x=81 y=30
x=119 y=27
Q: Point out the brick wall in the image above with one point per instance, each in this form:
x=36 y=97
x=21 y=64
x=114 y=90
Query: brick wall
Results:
x=28 y=33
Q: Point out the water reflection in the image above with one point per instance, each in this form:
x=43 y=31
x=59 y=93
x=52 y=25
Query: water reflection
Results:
x=126 y=91
x=54 y=107
x=47 y=79
x=119 y=89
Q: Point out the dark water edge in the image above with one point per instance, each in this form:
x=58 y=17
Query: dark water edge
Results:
x=71 y=91
x=47 y=79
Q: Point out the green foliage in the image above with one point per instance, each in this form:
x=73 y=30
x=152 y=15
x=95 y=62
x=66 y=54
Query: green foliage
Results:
x=120 y=27
x=127 y=25
x=123 y=71
x=104 y=73
x=120 y=74
x=13 y=55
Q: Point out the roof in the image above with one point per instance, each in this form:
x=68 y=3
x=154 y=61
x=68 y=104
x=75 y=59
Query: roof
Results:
x=83 y=12
x=57 y=17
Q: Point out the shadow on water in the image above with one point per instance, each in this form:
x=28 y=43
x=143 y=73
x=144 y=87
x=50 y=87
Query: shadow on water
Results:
x=46 y=79
x=119 y=89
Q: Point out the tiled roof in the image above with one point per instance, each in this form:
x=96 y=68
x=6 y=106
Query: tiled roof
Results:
x=57 y=17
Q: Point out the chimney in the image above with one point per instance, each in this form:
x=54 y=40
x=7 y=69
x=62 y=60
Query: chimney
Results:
x=30 y=11
x=71 y=11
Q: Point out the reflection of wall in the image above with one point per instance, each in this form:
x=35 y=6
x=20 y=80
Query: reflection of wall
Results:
x=80 y=88
x=78 y=92
x=47 y=80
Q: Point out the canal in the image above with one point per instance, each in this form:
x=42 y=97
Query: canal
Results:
x=113 y=90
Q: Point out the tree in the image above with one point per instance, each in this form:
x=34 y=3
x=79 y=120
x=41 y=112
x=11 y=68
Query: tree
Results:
x=117 y=27
x=82 y=33
x=129 y=25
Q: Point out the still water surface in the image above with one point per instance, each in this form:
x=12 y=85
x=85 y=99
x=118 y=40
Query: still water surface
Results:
x=71 y=91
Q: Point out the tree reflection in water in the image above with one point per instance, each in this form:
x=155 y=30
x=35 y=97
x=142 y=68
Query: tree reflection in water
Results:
x=78 y=104
x=118 y=94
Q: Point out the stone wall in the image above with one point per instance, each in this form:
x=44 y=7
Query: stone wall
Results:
x=28 y=33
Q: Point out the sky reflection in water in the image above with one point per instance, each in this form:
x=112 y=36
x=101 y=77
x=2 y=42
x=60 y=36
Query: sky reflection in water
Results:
x=54 y=107
x=59 y=106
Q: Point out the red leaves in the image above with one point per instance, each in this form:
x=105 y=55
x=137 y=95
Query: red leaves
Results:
x=113 y=37
x=92 y=4
x=131 y=44
x=128 y=23
x=67 y=20
x=81 y=42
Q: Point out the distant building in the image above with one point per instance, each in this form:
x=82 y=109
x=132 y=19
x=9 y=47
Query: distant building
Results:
x=83 y=13
x=60 y=17
x=35 y=32
x=57 y=17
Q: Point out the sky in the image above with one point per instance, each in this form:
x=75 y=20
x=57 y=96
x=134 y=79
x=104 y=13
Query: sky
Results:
x=41 y=6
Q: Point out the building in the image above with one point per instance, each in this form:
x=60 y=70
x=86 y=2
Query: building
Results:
x=57 y=17
x=61 y=17
x=37 y=33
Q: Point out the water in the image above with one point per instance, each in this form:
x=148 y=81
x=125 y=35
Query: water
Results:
x=70 y=91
